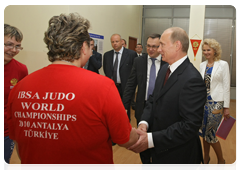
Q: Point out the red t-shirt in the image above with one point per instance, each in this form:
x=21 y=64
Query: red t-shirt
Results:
x=14 y=71
x=64 y=114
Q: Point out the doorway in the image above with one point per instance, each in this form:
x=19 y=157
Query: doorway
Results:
x=132 y=43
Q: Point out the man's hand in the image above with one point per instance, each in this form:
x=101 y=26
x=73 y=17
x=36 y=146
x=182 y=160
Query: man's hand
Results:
x=132 y=139
x=142 y=143
x=142 y=127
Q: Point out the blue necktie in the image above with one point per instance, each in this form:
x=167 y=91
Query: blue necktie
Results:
x=152 y=77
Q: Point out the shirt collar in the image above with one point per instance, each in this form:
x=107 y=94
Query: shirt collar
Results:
x=158 y=57
x=175 y=65
x=120 y=51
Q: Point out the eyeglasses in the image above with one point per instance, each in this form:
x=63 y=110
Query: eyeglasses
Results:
x=11 y=46
x=153 y=47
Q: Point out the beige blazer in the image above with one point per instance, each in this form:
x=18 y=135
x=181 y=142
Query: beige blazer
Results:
x=220 y=81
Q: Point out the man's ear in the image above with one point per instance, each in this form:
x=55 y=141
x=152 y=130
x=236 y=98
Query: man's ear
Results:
x=178 y=45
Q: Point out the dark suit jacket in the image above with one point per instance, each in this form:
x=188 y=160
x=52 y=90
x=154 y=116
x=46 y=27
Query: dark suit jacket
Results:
x=95 y=62
x=142 y=54
x=138 y=78
x=125 y=66
x=174 y=113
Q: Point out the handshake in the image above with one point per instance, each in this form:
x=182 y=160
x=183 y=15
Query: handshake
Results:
x=138 y=141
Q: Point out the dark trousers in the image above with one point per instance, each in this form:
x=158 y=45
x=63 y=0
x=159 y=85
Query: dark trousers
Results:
x=133 y=102
x=119 y=87
x=146 y=156
x=120 y=91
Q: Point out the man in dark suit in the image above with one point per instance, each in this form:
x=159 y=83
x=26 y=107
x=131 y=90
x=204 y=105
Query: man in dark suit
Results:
x=95 y=61
x=139 y=49
x=140 y=77
x=118 y=70
x=174 y=112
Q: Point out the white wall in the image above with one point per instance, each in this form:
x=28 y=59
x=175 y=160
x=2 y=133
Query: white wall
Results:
x=196 y=29
x=105 y=20
x=32 y=20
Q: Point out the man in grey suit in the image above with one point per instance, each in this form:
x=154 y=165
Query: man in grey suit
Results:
x=120 y=69
x=174 y=112
x=140 y=76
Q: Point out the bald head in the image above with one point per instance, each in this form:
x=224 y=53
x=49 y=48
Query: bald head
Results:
x=116 y=35
x=116 y=42
x=174 y=44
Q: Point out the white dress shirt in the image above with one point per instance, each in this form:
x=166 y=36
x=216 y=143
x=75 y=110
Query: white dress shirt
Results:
x=119 y=60
x=173 y=67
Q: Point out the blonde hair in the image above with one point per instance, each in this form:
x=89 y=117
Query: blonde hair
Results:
x=212 y=43
x=65 y=36
x=12 y=31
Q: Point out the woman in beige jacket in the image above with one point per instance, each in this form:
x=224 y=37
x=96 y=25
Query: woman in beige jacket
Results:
x=215 y=72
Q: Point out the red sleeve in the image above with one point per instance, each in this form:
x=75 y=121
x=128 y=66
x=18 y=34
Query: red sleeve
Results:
x=24 y=72
x=116 y=117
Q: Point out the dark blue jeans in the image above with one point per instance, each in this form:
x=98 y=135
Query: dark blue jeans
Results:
x=8 y=148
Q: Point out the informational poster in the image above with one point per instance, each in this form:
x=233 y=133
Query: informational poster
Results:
x=98 y=42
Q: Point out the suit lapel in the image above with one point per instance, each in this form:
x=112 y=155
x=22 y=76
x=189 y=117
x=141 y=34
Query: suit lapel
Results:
x=172 y=79
x=144 y=65
x=124 y=57
x=159 y=81
x=111 y=59
x=215 y=68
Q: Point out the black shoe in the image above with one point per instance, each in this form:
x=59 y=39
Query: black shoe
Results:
x=208 y=161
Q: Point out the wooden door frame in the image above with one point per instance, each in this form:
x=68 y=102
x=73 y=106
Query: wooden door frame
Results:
x=130 y=45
